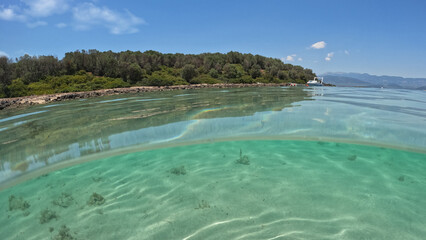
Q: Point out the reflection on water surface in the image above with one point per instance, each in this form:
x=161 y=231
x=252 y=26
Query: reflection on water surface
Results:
x=49 y=134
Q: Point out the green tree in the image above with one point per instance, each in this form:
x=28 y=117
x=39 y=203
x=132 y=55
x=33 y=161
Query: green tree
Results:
x=247 y=79
x=293 y=74
x=163 y=79
x=5 y=71
x=135 y=73
x=188 y=72
x=82 y=70
x=283 y=75
x=18 y=88
x=230 y=71
x=213 y=73
x=255 y=71
x=234 y=57
x=273 y=70
x=3 y=91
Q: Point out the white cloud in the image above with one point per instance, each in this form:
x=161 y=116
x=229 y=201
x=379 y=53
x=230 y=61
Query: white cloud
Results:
x=45 y=8
x=36 y=24
x=290 y=58
x=33 y=8
x=346 y=52
x=329 y=56
x=300 y=59
x=319 y=45
x=10 y=14
x=3 y=54
x=60 y=25
x=7 y=14
x=87 y=15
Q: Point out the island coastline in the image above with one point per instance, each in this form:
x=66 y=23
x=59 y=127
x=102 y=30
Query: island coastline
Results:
x=8 y=103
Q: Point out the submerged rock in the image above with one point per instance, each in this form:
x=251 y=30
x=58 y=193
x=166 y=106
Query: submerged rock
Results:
x=352 y=158
x=178 y=170
x=16 y=203
x=96 y=199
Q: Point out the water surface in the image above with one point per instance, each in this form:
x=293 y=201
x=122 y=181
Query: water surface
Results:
x=252 y=163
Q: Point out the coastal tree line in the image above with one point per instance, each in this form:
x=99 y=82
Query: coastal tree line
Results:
x=91 y=70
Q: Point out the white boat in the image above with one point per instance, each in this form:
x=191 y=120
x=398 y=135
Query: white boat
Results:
x=315 y=82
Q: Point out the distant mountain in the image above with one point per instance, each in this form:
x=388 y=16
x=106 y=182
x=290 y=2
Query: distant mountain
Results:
x=344 y=81
x=367 y=80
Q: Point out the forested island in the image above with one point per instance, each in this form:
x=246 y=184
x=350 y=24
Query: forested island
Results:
x=93 y=70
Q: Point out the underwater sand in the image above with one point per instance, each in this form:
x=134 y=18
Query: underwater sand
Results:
x=281 y=190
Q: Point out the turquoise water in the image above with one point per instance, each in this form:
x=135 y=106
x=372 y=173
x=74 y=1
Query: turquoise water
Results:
x=255 y=163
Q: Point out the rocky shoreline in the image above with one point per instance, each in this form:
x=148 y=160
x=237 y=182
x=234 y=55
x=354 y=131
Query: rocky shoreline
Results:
x=43 y=99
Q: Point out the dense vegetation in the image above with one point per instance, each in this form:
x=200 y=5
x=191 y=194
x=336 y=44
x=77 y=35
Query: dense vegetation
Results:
x=91 y=70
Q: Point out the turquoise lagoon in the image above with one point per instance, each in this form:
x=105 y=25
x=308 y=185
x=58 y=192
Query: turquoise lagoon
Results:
x=249 y=163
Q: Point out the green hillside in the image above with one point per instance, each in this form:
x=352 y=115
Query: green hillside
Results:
x=92 y=70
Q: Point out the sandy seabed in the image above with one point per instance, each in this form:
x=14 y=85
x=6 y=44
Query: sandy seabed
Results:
x=226 y=190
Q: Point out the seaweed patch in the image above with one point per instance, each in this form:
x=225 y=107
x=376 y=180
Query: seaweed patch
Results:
x=178 y=170
x=64 y=234
x=17 y=203
x=97 y=179
x=46 y=215
x=203 y=205
x=64 y=200
x=243 y=159
x=96 y=199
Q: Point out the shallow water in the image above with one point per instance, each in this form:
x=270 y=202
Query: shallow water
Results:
x=285 y=190
x=254 y=163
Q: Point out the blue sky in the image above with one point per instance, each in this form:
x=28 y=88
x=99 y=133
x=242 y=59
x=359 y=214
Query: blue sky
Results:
x=364 y=36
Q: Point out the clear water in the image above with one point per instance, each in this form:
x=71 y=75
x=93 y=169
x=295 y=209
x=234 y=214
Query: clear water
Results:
x=255 y=163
